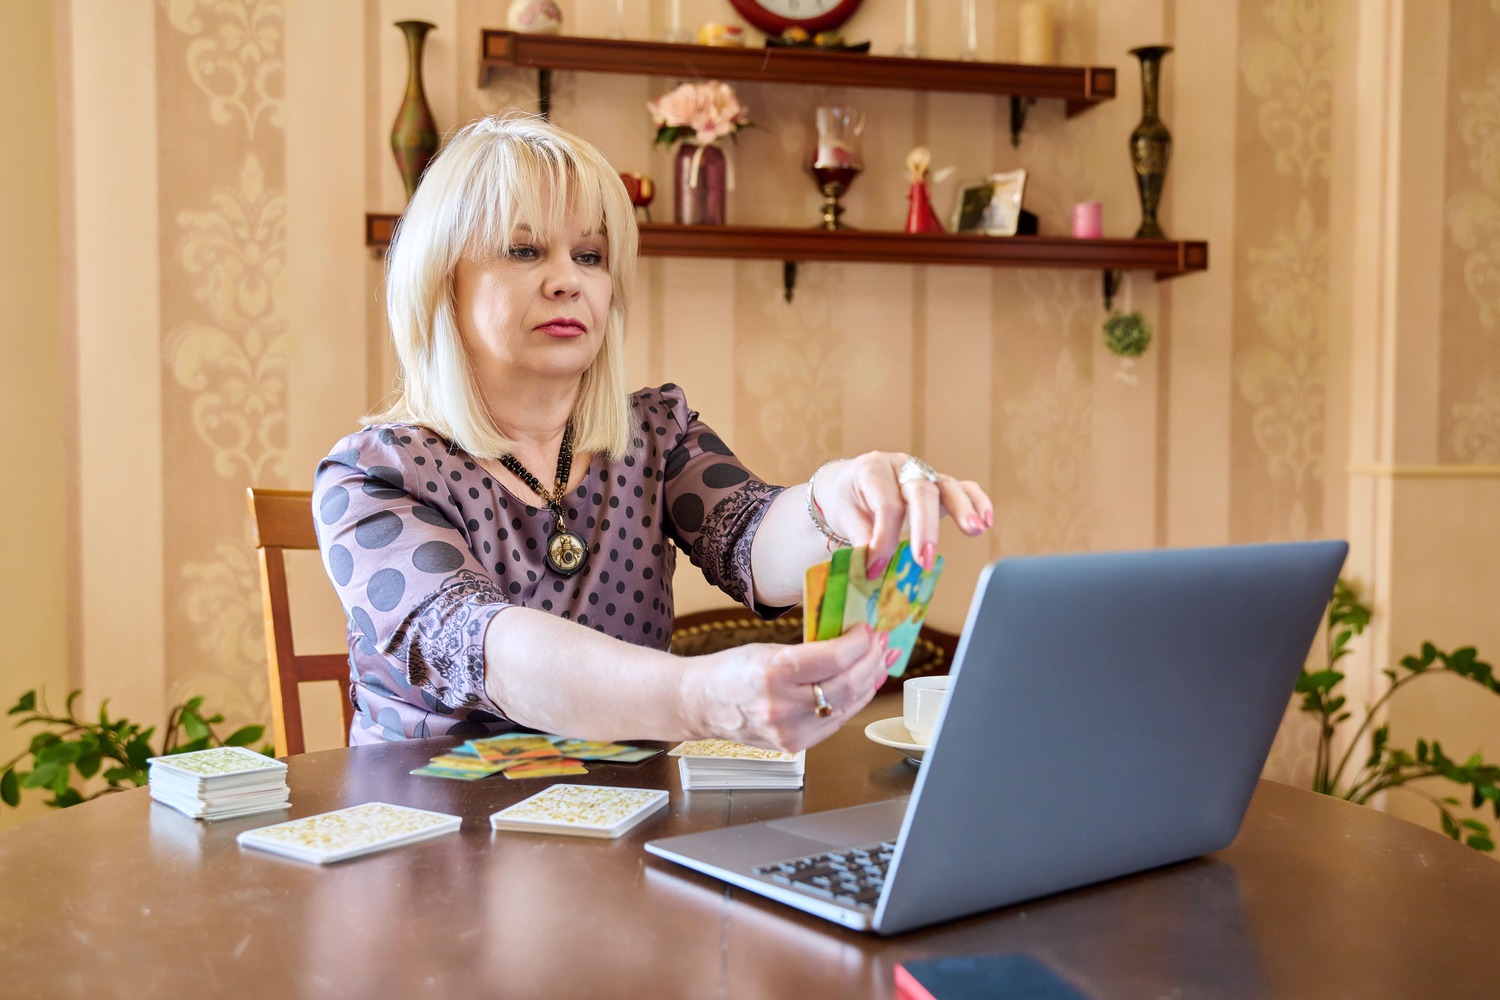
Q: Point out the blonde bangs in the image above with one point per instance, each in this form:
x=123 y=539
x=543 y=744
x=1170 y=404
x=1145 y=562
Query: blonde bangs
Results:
x=494 y=177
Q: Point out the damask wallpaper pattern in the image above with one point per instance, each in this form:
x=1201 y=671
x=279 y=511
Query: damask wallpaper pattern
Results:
x=1471 y=316
x=226 y=340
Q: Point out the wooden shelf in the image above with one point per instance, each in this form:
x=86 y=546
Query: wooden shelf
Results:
x=1166 y=258
x=1080 y=86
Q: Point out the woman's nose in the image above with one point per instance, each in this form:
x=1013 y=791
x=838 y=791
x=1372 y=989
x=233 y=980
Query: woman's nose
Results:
x=562 y=280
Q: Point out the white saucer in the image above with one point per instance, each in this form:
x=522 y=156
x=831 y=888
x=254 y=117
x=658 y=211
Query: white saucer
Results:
x=892 y=733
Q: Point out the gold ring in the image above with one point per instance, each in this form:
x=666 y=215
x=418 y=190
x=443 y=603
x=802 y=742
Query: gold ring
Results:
x=821 y=709
x=914 y=468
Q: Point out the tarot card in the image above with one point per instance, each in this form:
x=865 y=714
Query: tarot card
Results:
x=814 y=584
x=581 y=810
x=587 y=749
x=433 y=771
x=551 y=767
x=730 y=750
x=831 y=615
x=902 y=604
x=348 y=833
x=631 y=755
x=218 y=763
x=861 y=594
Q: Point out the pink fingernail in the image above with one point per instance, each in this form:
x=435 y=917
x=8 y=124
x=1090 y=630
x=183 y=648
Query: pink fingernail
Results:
x=929 y=552
x=885 y=639
x=891 y=657
x=974 y=523
x=989 y=519
x=875 y=568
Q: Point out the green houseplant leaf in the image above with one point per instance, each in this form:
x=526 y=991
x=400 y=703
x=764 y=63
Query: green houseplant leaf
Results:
x=1386 y=766
x=116 y=751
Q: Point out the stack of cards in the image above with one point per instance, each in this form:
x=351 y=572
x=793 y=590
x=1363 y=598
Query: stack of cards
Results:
x=528 y=755
x=724 y=764
x=581 y=810
x=220 y=783
x=349 y=833
x=838 y=595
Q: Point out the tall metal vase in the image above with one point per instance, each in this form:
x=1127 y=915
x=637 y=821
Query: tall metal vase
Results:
x=1150 y=143
x=414 y=136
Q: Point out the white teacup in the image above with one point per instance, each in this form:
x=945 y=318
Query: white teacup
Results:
x=922 y=700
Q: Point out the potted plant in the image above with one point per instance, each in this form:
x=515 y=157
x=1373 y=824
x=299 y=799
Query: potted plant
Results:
x=1385 y=766
x=116 y=750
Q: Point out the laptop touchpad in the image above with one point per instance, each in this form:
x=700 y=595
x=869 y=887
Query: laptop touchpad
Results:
x=847 y=827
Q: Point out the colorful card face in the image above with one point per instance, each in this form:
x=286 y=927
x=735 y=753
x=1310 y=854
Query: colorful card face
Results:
x=837 y=596
x=903 y=603
x=348 y=833
x=814 y=585
x=528 y=755
x=581 y=810
x=634 y=755
x=550 y=768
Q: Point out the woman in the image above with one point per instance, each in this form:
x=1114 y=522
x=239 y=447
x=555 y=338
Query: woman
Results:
x=502 y=536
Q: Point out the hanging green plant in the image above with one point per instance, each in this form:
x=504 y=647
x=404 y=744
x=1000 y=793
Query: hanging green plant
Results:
x=1127 y=334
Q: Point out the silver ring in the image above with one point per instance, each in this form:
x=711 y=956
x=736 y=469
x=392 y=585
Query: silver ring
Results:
x=914 y=468
x=821 y=708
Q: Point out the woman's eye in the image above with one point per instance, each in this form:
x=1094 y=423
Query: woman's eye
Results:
x=590 y=257
x=523 y=251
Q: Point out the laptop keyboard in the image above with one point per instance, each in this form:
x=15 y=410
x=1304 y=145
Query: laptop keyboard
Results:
x=853 y=876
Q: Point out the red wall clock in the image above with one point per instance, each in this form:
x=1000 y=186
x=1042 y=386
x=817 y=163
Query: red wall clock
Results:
x=775 y=16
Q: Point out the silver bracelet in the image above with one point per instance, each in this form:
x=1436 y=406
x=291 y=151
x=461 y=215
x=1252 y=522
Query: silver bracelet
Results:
x=816 y=513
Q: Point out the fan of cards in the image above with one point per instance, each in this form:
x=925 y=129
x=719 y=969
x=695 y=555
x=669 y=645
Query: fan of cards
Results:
x=528 y=755
x=838 y=595
x=220 y=783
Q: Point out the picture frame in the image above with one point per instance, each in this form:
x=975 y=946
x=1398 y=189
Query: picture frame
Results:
x=991 y=207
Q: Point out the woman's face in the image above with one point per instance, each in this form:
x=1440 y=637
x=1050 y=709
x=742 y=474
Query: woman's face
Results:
x=538 y=311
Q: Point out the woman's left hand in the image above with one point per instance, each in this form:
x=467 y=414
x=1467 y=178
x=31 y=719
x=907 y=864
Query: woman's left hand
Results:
x=870 y=498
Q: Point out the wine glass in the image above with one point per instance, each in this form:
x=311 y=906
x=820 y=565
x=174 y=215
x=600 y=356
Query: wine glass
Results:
x=836 y=161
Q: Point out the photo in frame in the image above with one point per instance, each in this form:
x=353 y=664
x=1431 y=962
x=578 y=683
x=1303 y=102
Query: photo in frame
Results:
x=991 y=207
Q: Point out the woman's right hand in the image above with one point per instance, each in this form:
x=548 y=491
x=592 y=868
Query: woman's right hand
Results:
x=762 y=694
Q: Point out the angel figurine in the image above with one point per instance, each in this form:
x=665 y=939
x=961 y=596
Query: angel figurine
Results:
x=920 y=218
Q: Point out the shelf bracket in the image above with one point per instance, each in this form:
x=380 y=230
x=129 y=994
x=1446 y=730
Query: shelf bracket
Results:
x=1019 y=106
x=544 y=92
x=788 y=278
x=1111 y=286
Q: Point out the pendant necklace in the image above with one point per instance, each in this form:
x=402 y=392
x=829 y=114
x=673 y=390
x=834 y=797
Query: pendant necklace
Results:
x=566 y=549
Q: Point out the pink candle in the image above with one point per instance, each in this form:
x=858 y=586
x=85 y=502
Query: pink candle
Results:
x=1088 y=220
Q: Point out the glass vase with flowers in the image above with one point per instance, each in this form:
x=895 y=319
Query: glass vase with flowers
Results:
x=695 y=117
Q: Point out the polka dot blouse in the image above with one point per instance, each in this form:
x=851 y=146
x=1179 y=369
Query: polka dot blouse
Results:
x=424 y=547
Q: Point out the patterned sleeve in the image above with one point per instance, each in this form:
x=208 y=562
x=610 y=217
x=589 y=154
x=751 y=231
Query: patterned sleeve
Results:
x=714 y=503
x=403 y=571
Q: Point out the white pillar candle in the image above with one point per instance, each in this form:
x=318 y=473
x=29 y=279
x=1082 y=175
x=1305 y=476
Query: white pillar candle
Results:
x=911 y=24
x=676 y=17
x=1036 y=42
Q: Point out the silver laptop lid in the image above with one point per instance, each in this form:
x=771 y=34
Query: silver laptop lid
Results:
x=1110 y=712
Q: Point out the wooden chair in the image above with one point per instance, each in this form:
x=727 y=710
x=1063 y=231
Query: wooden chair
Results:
x=283 y=520
x=702 y=632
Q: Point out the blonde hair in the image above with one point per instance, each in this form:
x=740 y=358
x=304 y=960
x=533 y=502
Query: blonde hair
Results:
x=495 y=174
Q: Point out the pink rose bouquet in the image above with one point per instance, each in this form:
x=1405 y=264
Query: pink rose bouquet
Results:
x=702 y=112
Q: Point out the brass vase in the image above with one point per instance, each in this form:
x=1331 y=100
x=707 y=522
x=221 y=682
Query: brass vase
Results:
x=414 y=136
x=1150 y=143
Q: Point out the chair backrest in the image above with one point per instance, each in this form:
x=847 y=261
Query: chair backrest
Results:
x=283 y=520
x=699 y=632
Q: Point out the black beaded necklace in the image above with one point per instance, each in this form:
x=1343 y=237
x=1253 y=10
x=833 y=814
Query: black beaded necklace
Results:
x=566 y=549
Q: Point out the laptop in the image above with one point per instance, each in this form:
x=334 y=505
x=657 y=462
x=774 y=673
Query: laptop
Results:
x=1109 y=713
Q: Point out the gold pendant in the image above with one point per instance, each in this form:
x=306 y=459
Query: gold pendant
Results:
x=566 y=552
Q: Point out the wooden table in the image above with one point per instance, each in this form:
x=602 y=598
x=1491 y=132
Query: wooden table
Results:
x=124 y=898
